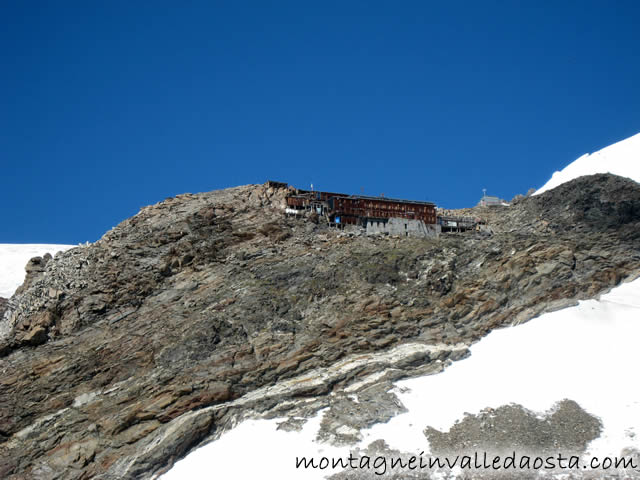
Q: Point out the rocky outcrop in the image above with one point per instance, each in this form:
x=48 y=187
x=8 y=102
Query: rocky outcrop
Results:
x=34 y=269
x=567 y=428
x=497 y=443
x=595 y=203
x=121 y=356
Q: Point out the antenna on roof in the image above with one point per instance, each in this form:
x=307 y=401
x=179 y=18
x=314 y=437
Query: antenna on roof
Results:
x=312 y=187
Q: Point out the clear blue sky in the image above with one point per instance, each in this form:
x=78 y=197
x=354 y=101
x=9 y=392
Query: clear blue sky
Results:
x=109 y=106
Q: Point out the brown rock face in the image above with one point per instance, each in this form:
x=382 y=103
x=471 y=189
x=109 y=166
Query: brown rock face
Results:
x=120 y=357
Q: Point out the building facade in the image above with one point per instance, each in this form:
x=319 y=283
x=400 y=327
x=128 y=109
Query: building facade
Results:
x=375 y=214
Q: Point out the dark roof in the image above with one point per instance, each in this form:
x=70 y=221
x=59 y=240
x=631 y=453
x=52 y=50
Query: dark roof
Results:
x=363 y=197
x=387 y=199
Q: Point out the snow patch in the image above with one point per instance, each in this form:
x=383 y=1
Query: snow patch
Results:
x=256 y=449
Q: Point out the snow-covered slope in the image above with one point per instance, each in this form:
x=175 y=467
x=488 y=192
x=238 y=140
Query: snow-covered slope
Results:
x=14 y=257
x=590 y=356
x=621 y=158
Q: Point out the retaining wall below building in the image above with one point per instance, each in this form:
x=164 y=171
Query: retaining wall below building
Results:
x=400 y=226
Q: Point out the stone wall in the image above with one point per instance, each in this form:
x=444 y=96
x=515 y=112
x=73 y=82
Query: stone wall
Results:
x=400 y=226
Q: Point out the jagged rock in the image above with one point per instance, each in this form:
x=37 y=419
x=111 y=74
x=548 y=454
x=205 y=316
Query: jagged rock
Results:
x=120 y=357
x=34 y=268
x=347 y=415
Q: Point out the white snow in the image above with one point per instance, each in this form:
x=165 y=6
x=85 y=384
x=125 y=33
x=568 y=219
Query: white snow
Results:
x=13 y=259
x=621 y=158
x=587 y=353
x=255 y=449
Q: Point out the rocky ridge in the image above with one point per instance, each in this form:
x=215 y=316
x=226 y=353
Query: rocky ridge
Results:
x=120 y=357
